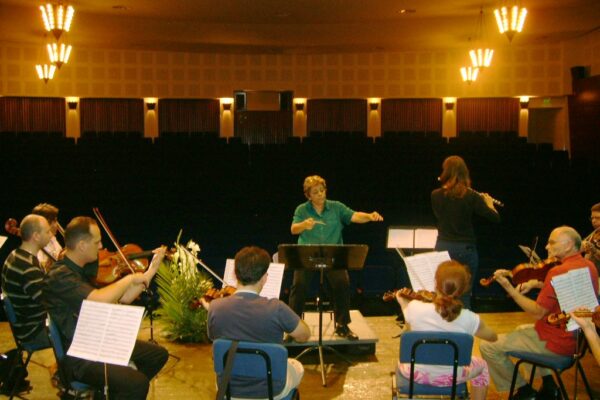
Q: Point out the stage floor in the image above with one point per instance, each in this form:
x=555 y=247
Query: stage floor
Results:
x=368 y=379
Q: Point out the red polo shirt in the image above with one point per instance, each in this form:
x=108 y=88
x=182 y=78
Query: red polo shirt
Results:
x=558 y=340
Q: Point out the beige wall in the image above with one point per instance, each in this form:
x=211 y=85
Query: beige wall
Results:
x=536 y=71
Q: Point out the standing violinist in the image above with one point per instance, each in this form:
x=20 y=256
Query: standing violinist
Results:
x=454 y=205
x=52 y=250
x=66 y=286
x=542 y=338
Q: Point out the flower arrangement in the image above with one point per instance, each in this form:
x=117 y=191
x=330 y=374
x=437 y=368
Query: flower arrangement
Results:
x=180 y=284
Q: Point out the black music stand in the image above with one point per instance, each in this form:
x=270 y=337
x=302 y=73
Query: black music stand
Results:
x=319 y=257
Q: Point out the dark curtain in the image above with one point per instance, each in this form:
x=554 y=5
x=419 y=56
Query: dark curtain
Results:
x=112 y=115
x=263 y=127
x=337 y=115
x=493 y=114
x=32 y=114
x=189 y=115
x=415 y=115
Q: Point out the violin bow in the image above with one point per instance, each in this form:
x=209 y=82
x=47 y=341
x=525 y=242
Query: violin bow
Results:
x=198 y=261
x=111 y=237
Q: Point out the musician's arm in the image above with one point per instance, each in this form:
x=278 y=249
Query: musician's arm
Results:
x=360 y=217
x=529 y=306
x=485 y=332
x=301 y=333
x=113 y=292
x=141 y=281
x=591 y=334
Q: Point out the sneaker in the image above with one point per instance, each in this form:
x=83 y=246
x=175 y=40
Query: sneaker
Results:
x=345 y=332
x=525 y=392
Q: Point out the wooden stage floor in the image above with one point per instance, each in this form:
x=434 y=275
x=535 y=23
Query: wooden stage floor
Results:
x=369 y=378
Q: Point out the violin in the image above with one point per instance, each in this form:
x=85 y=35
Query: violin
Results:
x=409 y=294
x=211 y=294
x=525 y=272
x=561 y=319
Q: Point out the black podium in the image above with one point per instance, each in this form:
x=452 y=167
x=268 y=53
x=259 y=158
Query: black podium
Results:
x=321 y=257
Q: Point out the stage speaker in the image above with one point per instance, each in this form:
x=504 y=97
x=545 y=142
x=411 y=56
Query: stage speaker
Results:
x=285 y=100
x=240 y=101
x=578 y=72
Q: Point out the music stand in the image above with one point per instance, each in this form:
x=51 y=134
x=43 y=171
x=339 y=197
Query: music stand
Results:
x=319 y=257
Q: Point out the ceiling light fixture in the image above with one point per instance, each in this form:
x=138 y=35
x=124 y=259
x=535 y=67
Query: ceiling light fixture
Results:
x=481 y=57
x=57 y=18
x=513 y=23
x=59 y=55
x=469 y=74
x=45 y=72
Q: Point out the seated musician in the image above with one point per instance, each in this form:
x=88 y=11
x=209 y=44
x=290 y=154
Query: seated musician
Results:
x=52 y=250
x=66 y=287
x=246 y=316
x=22 y=281
x=446 y=314
x=591 y=244
x=543 y=338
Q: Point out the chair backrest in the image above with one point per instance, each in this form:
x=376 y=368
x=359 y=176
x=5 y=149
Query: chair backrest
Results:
x=10 y=315
x=56 y=340
x=250 y=373
x=438 y=349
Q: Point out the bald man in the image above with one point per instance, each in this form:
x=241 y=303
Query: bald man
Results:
x=564 y=243
x=22 y=280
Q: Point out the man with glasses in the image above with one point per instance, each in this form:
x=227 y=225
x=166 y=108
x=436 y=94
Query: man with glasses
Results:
x=543 y=338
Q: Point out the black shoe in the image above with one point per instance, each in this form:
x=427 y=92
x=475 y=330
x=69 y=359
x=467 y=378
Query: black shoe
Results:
x=549 y=391
x=345 y=332
x=525 y=392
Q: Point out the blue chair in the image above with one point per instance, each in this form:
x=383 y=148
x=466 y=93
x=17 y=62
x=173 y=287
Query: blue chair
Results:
x=262 y=367
x=22 y=346
x=558 y=364
x=74 y=388
x=433 y=348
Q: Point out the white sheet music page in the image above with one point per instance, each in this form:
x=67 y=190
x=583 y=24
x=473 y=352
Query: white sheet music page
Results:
x=106 y=332
x=3 y=240
x=575 y=289
x=421 y=269
x=272 y=287
x=425 y=238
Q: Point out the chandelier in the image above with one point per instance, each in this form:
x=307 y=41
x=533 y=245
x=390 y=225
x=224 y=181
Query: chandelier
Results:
x=57 y=18
x=510 y=23
x=45 y=72
x=469 y=74
x=481 y=57
x=58 y=55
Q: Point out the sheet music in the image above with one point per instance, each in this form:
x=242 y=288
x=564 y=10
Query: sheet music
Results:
x=421 y=269
x=575 y=289
x=272 y=287
x=400 y=238
x=106 y=332
x=425 y=238
x=3 y=240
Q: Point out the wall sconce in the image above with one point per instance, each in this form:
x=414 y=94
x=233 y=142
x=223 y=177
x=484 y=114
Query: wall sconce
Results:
x=524 y=102
x=449 y=106
x=72 y=105
x=373 y=106
x=226 y=106
x=299 y=106
x=150 y=106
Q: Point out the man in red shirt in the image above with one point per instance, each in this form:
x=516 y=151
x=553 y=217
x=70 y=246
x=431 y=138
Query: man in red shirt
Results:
x=564 y=243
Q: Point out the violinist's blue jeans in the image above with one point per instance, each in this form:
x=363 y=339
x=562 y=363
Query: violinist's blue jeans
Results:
x=464 y=253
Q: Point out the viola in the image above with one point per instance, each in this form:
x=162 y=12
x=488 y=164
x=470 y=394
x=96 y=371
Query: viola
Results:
x=409 y=294
x=211 y=294
x=525 y=272
x=561 y=319
x=111 y=266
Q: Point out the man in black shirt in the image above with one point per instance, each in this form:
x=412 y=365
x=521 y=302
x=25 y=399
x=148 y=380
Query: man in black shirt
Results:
x=22 y=281
x=67 y=286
